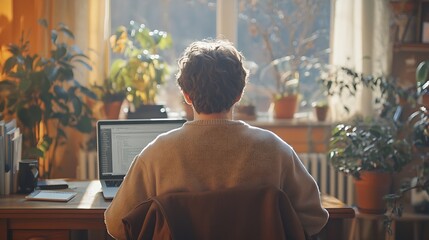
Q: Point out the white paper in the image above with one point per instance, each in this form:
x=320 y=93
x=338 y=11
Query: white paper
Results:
x=425 y=32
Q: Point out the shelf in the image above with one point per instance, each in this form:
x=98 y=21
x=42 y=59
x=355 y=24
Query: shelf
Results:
x=418 y=47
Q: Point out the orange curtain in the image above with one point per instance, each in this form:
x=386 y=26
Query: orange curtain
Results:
x=87 y=20
x=18 y=18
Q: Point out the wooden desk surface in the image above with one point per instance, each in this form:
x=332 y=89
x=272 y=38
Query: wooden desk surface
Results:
x=89 y=198
x=336 y=208
x=86 y=211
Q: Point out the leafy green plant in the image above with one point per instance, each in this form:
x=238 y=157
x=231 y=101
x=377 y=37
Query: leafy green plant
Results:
x=286 y=74
x=422 y=73
x=139 y=67
x=345 y=82
x=44 y=95
x=367 y=146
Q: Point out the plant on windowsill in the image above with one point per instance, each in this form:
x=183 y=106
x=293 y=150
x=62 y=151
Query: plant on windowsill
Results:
x=139 y=64
x=44 y=95
x=321 y=109
x=112 y=94
x=320 y=103
x=286 y=93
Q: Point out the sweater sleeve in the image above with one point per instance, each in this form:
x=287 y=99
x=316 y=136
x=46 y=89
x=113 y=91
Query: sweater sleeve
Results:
x=134 y=189
x=304 y=194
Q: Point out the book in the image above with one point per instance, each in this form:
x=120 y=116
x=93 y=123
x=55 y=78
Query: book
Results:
x=2 y=164
x=5 y=128
x=50 y=195
x=16 y=158
x=12 y=139
x=50 y=184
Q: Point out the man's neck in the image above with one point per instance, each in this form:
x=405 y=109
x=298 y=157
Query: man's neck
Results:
x=223 y=115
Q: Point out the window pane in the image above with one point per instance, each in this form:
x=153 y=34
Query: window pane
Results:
x=272 y=29
x=184 y=20
x=260 y=22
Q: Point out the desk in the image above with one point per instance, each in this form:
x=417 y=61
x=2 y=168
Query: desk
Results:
x=408 y=215
x=21 y=219
x=338 y=211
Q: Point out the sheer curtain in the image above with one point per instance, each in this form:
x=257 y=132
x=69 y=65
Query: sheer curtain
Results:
x=89 y=21
x=360 y=40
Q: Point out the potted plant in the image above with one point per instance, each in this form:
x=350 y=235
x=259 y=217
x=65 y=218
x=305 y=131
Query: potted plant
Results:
x=321 y=108
x=44 y=96
x=370 y=151
x=286 y=74
x=112 y=94
x=138 y=63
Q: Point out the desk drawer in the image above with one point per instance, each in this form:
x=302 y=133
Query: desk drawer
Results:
x=40 y=235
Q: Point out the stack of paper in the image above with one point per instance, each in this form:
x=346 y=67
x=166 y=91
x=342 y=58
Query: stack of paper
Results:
x=10 y=156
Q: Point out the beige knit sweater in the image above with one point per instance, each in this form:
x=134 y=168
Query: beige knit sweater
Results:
x=214 y=154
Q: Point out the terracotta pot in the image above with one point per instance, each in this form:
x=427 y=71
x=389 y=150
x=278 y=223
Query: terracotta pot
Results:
x=370 y=190
x=112 y=109
x=285 y=107
x=321 y=112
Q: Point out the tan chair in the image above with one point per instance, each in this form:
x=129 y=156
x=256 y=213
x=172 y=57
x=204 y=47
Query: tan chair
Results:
x=235 y=213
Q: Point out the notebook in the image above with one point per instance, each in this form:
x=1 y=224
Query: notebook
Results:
x=119 y=141
x=49 y=195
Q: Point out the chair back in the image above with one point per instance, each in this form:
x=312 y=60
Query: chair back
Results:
x=234 y=213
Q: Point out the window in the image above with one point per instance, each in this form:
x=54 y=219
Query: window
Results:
x=259 y=22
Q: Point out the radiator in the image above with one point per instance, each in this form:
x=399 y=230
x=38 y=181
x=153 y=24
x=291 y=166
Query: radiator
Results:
x=87 y=168
x=329 y=181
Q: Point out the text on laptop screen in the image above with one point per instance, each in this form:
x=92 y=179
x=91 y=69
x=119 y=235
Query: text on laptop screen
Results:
x=118 y=144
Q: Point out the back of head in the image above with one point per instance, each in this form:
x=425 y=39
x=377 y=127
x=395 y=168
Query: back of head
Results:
x=211 y=72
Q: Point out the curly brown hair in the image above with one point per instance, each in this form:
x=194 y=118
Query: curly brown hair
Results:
x=211 y=72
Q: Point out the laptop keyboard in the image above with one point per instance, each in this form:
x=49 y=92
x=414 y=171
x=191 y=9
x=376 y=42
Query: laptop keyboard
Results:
x=113 y=183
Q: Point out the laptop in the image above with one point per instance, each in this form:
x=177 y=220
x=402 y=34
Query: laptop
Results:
x=119 y=141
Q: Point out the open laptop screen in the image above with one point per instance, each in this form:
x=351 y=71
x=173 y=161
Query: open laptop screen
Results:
x=119 y=141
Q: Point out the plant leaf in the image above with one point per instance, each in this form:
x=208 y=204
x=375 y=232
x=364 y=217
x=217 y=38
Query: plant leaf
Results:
x=9 y=64
x=54 y=36
x=43 y=22
x=84 y=124
x=85 y=64
x=77 y=105
x=60 y=92
x=66 y=31
x=88 y=92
